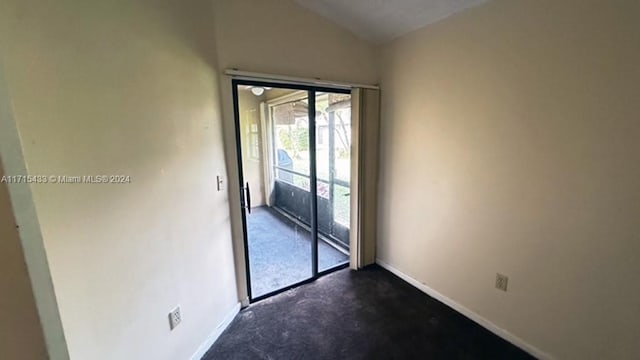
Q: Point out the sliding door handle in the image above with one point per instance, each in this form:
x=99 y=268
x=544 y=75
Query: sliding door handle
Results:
x=248 y=190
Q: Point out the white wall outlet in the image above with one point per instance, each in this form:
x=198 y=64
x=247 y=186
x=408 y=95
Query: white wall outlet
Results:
x=501 y=282
x=220 y=182
x=175 y=318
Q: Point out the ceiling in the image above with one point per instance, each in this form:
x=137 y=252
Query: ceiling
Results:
x=380 y=21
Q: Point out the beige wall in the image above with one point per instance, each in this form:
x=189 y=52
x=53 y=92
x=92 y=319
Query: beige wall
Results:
x=125 y=88
x=21 y=335
x=28 y=227
x=510 y=144
x=279 y=37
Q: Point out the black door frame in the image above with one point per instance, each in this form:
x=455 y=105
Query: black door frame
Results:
x=313 y=179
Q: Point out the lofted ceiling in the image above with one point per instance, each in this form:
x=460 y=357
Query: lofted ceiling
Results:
x=380 y=21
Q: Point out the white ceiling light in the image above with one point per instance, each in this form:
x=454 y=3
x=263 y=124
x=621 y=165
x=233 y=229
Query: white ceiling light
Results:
x=257 y=91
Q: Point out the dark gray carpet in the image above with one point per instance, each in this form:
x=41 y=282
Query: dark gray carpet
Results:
x=368 y=314
x=280 y=252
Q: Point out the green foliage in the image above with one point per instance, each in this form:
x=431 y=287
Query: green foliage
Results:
x=302 y=137
x=285 y=139
x=294 y=139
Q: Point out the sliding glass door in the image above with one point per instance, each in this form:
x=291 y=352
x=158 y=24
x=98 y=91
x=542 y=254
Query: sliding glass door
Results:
x=333 y=164
x=294 y=151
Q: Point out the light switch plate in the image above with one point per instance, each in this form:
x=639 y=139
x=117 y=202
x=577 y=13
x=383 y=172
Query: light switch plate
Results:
x=220 y=182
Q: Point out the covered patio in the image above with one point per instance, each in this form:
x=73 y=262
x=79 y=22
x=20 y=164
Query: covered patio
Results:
x=280 y=251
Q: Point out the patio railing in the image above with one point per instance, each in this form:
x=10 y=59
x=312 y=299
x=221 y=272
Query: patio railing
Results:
x=294 y=198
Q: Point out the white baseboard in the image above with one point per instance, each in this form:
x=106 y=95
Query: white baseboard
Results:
x=468 y=313
x=216 y=333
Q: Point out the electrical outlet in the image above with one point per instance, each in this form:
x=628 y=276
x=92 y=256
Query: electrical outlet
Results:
x=175 y=318
x=501 y=282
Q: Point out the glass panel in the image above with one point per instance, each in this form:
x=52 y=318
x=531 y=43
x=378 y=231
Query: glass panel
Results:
x=277 y=172
x=291 y=135
x=333 y=154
